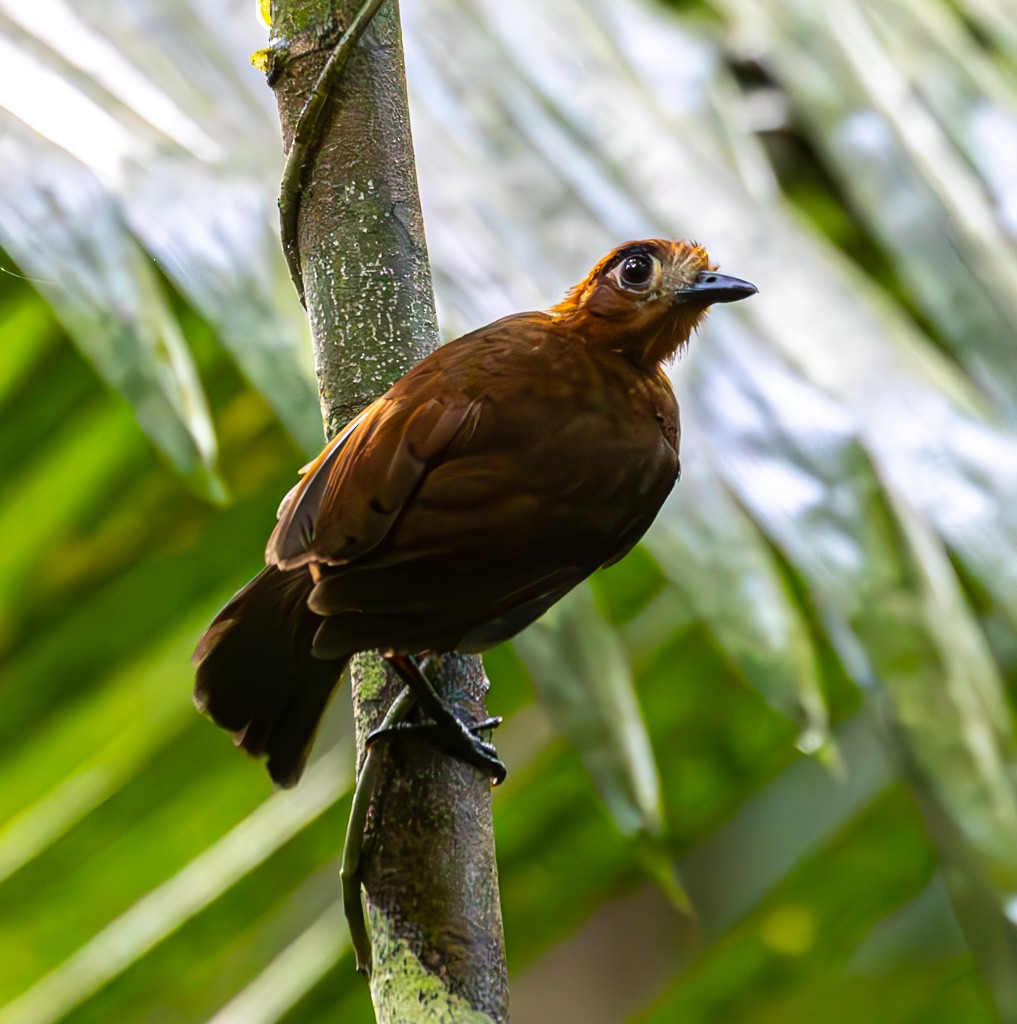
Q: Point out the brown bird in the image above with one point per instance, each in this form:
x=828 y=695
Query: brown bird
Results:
x=501 y=471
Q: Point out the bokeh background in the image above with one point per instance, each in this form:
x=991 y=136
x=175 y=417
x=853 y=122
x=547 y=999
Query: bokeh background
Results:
x=790 y=710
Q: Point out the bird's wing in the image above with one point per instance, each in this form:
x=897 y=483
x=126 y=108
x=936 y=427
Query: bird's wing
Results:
x=350 y=496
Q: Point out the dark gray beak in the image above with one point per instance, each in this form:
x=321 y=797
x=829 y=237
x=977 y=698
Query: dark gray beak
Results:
x=712 y=287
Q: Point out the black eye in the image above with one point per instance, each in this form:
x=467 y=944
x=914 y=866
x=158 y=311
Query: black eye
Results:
x=636 y=271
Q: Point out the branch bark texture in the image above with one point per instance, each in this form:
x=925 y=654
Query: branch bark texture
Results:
x=428 y=860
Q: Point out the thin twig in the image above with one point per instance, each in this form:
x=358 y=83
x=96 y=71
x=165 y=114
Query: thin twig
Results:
x=306 y=137
x=349 y=871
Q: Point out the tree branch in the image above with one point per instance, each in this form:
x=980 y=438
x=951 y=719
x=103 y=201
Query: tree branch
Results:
x=427 y=859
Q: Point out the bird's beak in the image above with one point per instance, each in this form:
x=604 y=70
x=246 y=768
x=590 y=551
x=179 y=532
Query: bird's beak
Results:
x=712 y=287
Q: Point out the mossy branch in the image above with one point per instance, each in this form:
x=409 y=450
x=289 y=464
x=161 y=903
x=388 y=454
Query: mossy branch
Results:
x=356 y=244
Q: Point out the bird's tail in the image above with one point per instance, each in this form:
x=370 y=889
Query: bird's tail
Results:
x=256 y=675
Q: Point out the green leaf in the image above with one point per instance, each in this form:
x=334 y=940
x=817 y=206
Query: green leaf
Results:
x=293 y=972
x=164 y=909
x=211 y=231
x=578 y=663
x=66 y=233
x=731 y=581
x=917 y=150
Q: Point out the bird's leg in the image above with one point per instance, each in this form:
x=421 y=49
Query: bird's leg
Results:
x=349 y=873
x=446 y=730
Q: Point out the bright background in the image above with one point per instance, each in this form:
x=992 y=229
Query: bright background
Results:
x=820 y=631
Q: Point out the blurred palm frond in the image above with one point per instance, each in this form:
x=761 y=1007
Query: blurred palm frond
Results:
x=794 y=700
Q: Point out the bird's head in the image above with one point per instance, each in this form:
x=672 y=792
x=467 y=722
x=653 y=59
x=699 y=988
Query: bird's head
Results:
x=644 y=299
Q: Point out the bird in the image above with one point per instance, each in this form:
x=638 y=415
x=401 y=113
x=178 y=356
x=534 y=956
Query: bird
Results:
x=497 y=474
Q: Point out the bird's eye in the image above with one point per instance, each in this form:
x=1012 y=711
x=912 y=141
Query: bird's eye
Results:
x=636 y=271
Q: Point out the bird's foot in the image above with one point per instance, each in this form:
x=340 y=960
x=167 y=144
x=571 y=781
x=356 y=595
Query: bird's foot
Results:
x=459 y=740
x=446 y=730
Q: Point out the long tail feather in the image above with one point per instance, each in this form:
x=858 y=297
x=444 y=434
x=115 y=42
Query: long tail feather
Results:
x=256 y=675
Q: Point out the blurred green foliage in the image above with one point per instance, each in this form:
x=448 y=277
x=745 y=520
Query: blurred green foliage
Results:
x=817 y=633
